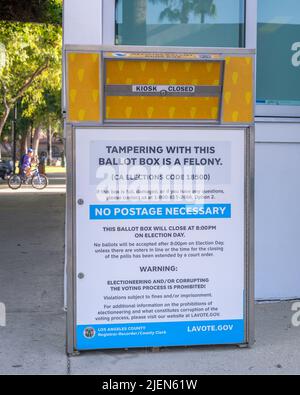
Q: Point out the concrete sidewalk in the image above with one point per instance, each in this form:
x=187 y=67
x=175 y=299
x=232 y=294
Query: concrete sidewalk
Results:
x=31 y=286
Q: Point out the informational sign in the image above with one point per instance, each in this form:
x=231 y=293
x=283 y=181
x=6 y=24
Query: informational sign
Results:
x=163 y=88
x=160 y=237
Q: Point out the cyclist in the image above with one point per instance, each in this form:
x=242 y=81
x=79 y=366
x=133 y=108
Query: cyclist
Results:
x=27 y=163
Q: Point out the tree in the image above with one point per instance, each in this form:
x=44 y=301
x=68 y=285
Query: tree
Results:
x=42 y=115
x=176 y=10
x=42 y=11
x=205 y=7
x=181 y=10
x=33 y=63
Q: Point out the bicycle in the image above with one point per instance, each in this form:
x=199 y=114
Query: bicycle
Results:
x=38 y=181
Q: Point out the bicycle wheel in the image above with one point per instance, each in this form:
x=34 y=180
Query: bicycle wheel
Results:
x=14 y=182
x=39 y=182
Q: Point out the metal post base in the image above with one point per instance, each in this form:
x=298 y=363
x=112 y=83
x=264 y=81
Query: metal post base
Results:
x=74 y=354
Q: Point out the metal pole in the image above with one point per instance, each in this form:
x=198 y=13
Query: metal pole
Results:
x=14 y=123
x=31 y=137
x=49 y=146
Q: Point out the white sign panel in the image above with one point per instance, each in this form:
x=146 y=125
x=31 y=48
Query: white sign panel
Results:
x=160 y=237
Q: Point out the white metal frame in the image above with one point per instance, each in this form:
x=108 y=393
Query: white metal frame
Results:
x=251 y=23
x=109 y=19
x=81 y=22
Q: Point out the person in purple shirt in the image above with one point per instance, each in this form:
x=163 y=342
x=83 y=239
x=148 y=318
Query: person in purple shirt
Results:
x=26 y=163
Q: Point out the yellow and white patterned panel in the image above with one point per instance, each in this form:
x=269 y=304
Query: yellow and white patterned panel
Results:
x=131 y=72
x=238 y=90
x=83 y=87
x=166 y=108
x=121 y=72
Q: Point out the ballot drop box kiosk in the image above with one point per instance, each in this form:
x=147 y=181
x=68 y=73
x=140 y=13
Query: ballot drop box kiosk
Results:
x=160 y=151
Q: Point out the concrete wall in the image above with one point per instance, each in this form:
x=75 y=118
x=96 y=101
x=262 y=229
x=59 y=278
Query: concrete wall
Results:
x=81 y=26
x=277 y=210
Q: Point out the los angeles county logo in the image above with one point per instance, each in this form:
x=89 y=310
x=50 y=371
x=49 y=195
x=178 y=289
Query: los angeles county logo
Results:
x=89 y=333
